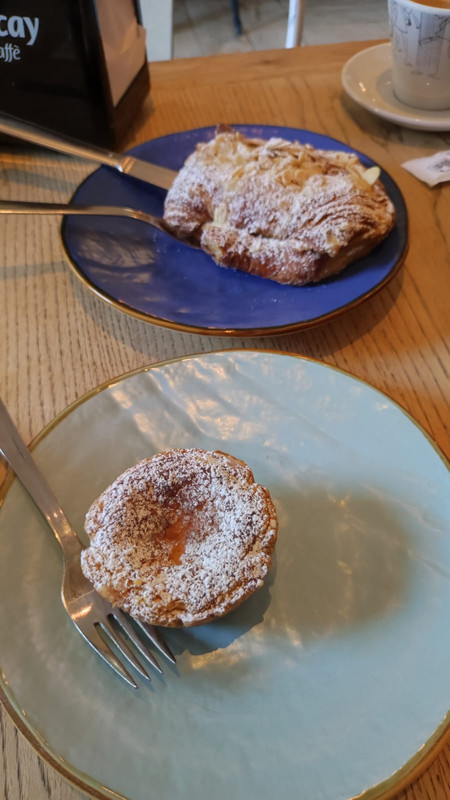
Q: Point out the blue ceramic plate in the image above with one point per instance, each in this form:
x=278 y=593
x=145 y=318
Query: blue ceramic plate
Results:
x=332 y=681
x=148 y=275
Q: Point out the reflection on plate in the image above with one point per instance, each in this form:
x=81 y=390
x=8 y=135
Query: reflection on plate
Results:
x=149 y=275
x=366 y=77
x=330 y=678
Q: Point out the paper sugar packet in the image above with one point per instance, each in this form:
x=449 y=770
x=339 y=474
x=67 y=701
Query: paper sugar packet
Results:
x=432 y=170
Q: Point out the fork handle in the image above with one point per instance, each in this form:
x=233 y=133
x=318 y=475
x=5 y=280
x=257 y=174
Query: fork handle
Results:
x=16 y=453
x=19 y=207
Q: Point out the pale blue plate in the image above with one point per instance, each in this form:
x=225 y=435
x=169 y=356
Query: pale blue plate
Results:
x=331 y=681
x=151 y=276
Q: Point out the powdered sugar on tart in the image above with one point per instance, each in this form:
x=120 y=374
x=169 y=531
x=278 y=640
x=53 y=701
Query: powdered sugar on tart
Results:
x=181 y=538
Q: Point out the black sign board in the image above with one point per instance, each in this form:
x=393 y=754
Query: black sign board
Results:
x=53 y=70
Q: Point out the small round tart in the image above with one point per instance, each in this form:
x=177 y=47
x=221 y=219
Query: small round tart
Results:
x=180 y=538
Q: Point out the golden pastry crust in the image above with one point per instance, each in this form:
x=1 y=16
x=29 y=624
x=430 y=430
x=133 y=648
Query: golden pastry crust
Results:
x=278 y=209
x=180 y=538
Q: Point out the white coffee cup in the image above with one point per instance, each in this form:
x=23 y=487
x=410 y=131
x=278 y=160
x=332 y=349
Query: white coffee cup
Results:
x=420 y=43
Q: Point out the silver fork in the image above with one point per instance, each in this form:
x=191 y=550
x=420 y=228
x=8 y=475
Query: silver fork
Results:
x=19 y=207
x=87 y=609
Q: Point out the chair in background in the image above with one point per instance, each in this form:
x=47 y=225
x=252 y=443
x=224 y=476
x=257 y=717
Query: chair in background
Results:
x=236 y=18
x=296 y=19
x=157 y=17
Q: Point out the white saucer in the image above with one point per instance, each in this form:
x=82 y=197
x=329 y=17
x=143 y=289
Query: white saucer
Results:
x=366 y=77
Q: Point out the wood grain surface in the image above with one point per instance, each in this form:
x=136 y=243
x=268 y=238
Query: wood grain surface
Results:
x=58 y=340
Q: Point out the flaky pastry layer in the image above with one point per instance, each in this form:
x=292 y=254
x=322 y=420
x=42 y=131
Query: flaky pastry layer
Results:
x=278 y=209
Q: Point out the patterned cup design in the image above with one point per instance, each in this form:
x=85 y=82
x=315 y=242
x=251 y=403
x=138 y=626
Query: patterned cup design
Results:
x=420 y=41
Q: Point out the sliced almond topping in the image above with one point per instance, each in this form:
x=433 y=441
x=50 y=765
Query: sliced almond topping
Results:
x=371 y=175
x=220 y=214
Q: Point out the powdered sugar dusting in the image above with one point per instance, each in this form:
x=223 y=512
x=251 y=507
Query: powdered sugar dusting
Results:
x=181 y=538
x=278 y=209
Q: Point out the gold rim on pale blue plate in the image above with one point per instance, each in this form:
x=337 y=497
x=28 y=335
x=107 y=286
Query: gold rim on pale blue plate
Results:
x=332 y=680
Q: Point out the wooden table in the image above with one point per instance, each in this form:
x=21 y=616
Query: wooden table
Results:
x=58 y=341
